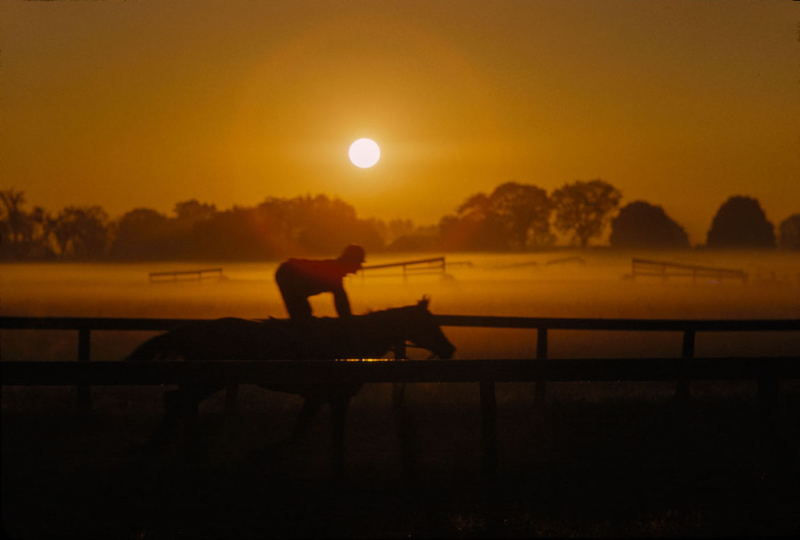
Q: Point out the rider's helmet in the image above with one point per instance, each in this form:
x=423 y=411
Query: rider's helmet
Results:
x=353 y=254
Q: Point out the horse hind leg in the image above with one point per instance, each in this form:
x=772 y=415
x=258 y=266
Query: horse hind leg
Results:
x=180 y=405
x=189 y=405
x=339 y=406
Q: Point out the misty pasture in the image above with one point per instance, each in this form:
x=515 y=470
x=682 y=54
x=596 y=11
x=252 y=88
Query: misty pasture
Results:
x=606 y=459
x=558 y=284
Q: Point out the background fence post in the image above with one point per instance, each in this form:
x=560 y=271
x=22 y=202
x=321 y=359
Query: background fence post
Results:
x=84 y=355
x=687 y=352
x=768 y=387
x=541 y=354
x=489 y=420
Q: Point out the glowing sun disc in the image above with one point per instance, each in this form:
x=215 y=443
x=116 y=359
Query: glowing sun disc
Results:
x=364 y=153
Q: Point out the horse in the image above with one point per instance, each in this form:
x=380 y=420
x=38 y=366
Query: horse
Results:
x=360 y=336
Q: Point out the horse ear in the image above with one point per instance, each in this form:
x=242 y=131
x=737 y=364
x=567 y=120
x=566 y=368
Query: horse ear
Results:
x=424 y=302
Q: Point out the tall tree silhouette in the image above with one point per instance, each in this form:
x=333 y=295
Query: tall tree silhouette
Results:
x=15 y=219
x=236 y=234
x=790 y=232
x=81 y=233
x=41 y=233
x=23 y=235
x=328 y=224
x=477 y=207
x=584 y=208
x=143 y=233
x=641 y=225
x=477 y=226
x=191 y=211
x=741 y=223
x=525 y=212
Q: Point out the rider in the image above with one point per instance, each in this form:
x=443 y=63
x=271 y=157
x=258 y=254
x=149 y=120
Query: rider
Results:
x=300 y=278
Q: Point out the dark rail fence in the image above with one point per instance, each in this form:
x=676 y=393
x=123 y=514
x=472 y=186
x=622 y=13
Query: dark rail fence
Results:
x=665 y=270
x=768 y=371
x=160 y=277
x=433 y=265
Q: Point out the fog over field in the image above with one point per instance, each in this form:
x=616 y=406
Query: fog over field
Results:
x=595 y=284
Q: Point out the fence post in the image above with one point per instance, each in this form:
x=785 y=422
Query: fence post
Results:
x=541 y=354
x=405 y=427
x=682 y=385
x=84 y=353
x=768 y=387
x=489 y=421
x=398 y=389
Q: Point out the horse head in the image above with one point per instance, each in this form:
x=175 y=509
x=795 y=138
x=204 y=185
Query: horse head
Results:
x=423 y=330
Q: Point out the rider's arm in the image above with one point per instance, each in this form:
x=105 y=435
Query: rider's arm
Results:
x=341 y=302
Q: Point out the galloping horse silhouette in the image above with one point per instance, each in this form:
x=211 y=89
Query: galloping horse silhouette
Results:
x=360 y=336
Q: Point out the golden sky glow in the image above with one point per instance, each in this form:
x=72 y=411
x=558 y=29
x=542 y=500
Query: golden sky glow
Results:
x=130 y=104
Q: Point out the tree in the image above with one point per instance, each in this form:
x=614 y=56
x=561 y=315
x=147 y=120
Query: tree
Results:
x=467 y=233
x=584 y=208
x=525 y=212
x=477 y=207
x=641 y=225
x=191 y=211
x=81 y=232
x=23 y=235
x=328 y=225
x=143 y=233
x=237 y=234
x=790 y=232
x=15 y=219
x=477 y=226
x=741 y=223
x=43 y=227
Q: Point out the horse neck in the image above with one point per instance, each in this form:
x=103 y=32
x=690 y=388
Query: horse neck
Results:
x=382 y=330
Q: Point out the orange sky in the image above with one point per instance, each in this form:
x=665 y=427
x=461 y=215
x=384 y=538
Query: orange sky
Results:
x=130 y=104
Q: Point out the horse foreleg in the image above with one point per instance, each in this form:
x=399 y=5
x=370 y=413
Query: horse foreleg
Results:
x=311 y=407
x=165 y=432
x=188 y=405
x=339 y=405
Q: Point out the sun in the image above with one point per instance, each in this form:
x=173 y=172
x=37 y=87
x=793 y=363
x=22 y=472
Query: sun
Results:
x=364 y=153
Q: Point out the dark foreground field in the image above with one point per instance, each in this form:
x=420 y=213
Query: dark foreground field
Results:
x=603 y=461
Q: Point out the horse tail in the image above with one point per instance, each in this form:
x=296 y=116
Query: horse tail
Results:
x=158 y=348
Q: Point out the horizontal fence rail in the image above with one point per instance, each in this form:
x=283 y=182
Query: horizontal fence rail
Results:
x=675 y=325
x=177 y=275
x=766 y=370
x=439 y=261
x=665 y=269
x=477 y=321
x=387 y=371
x=433 y=265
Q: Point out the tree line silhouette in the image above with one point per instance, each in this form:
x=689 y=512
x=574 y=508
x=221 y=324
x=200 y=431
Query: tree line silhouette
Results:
x=513 y=217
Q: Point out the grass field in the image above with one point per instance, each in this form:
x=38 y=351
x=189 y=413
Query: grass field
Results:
x=602 y=460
